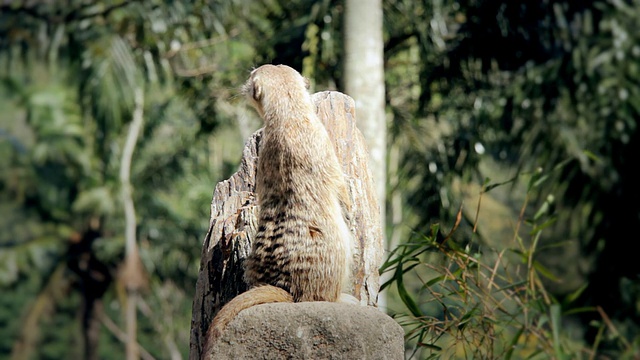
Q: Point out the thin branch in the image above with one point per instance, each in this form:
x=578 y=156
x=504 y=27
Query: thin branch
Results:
x=120 y=335
x=475 y=221
x=612 y=327
x=43 y=305
x=455 y=226
x=131 y=261
x=125 y=171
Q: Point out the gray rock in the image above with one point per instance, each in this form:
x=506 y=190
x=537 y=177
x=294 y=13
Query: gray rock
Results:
x=311 y=330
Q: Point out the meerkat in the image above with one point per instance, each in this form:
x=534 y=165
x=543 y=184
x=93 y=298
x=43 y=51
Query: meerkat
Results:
x=303 y=246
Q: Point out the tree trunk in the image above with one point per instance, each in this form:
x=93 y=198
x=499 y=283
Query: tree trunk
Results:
x=364 y=81
x=234 y=216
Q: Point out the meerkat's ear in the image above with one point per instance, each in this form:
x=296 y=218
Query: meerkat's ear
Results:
x=256 y=91
x=252 y=89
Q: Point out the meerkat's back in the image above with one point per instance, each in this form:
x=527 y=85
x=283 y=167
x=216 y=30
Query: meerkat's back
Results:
x=303 y=242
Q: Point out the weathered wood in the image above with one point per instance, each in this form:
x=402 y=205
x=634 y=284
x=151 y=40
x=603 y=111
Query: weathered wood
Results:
x=234 y=216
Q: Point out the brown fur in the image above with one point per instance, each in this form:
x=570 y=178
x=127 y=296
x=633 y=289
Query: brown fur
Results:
x=302 y=250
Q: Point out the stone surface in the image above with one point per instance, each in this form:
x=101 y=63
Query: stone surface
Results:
x=313 y=330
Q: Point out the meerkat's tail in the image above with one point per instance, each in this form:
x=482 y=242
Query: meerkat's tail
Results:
x=263 y=294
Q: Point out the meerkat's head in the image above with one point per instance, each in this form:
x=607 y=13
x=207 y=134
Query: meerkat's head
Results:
x=276 y=88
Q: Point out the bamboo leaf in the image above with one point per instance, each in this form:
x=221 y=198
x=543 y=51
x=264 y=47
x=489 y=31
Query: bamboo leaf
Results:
x=406 y=298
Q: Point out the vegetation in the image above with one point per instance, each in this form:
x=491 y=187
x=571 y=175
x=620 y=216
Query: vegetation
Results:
x=511 y=191
x=482 y=303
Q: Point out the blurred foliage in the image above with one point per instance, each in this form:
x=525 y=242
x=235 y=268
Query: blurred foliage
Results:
x=478 y=92
x=68 y=72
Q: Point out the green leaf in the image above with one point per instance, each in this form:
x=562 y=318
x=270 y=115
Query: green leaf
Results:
x=543 y=226
x=406 y=298
x=514 y=342
x=436 y=280
x=576 y=294
x=542 y=270
x=8 y=267
x=537 y=179
x=97 y=201
x=555 y=315
x=488 y=188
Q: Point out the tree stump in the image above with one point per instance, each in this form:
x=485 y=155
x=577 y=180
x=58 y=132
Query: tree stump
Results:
x=234 y=220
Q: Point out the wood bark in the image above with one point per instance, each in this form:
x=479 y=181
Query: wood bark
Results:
x=234 y=217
